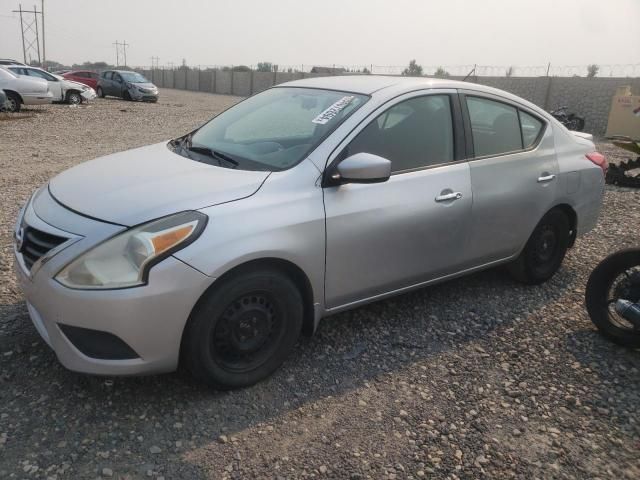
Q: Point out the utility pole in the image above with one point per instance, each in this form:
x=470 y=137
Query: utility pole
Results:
x=29 y=29
x=120 y=46
x=44 y=56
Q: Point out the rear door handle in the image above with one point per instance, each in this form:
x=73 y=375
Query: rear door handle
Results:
x=449 y=196
x=546 y=178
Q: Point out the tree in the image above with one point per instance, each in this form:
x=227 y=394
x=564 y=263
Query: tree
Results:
x=266 y=67
x=366 y=71
x=241 y=68
x=509 y=72
x=441 y=73
x=413 y=70
x=592 y=70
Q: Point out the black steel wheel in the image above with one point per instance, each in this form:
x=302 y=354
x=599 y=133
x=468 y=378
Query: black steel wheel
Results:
x=616 y=277
x=545 y=250
x=243 y=329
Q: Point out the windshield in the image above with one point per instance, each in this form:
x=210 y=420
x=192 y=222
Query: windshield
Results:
x=275 y=129
x=133 y=77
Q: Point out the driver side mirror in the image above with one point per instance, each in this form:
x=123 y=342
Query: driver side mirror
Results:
x=361 y=168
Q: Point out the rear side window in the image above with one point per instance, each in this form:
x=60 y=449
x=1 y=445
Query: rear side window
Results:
x=531 y=128
x=91 y=75
x=495 y=127
x=412 y=134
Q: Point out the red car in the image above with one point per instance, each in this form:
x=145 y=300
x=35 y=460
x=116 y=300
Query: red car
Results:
x=87 y=77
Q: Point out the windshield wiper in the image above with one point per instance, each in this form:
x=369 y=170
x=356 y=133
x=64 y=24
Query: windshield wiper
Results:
x=220 y=157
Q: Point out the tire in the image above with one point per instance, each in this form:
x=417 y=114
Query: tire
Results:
x=126 y=96
x=14 y=102
x=100 y=92
x=597 y=296
x=74 y=98
x=543 y=254
x=215 y=349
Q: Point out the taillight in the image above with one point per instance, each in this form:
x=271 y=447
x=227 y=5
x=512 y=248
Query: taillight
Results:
x=599 y=159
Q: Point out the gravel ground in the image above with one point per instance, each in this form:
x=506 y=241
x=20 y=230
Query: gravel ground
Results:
x=478 y=377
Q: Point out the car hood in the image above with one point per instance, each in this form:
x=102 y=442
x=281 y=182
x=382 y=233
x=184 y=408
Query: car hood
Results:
x=138 y=185
x=73 y=84
x=148 y=85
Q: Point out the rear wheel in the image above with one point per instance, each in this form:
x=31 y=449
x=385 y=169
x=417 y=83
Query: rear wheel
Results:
x=544 y=251
x=13 y=102
x=243 y=329
x=100 y=92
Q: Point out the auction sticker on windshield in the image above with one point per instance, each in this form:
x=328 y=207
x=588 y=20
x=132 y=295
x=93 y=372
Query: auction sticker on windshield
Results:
x=333 y=110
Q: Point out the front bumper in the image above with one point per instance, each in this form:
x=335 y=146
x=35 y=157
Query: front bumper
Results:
x=144 y=97
x=88 y=94
x=149 y=319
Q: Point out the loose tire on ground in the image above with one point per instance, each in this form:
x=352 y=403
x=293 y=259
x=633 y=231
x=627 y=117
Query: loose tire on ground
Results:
x=543 y=254
x=243 y=329
x=597 y=296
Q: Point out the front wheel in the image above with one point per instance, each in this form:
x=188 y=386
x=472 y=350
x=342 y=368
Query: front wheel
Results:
x=100 y=92
x=243 y=329
x=616 y=277
x=74 y=98
x=543 y=254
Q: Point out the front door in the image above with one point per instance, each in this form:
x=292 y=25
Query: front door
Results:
x=413 y=228
x=513 y=176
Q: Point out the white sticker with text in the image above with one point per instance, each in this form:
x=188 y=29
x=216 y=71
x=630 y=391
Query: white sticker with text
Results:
x=333 y=110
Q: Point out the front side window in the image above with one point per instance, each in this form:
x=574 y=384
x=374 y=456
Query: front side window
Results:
x=272 y=130
x=107 y=75
x=495 y=127
x=415 y=133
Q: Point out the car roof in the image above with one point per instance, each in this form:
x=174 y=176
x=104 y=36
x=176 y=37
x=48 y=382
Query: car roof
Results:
x=12 y=62
x=368 y=84
x=388 y=85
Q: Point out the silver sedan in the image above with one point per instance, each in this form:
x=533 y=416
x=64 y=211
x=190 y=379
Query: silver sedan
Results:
x=218 y=248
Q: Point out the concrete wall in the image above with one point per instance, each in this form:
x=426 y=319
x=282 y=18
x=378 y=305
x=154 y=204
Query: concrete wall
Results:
x=588 y=97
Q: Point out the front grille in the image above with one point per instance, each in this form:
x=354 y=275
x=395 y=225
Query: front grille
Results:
x=36 y=244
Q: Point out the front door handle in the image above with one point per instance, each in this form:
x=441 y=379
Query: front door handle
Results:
x=546 y=178
x=449 y=196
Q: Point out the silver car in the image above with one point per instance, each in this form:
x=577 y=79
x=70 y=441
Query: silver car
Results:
x=218 y=248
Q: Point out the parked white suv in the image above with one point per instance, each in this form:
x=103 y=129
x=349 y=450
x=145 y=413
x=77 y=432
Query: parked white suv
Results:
x=24 y=91
x=63 y=90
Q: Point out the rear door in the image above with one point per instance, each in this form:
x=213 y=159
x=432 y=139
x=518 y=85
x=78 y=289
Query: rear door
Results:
x=105 y=83
x=513 y=174
x=412 y=228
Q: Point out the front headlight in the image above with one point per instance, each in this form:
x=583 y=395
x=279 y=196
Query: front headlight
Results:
x=125 y=260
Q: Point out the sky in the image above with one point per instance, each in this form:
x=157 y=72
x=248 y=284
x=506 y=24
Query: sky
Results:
x=341 y=32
